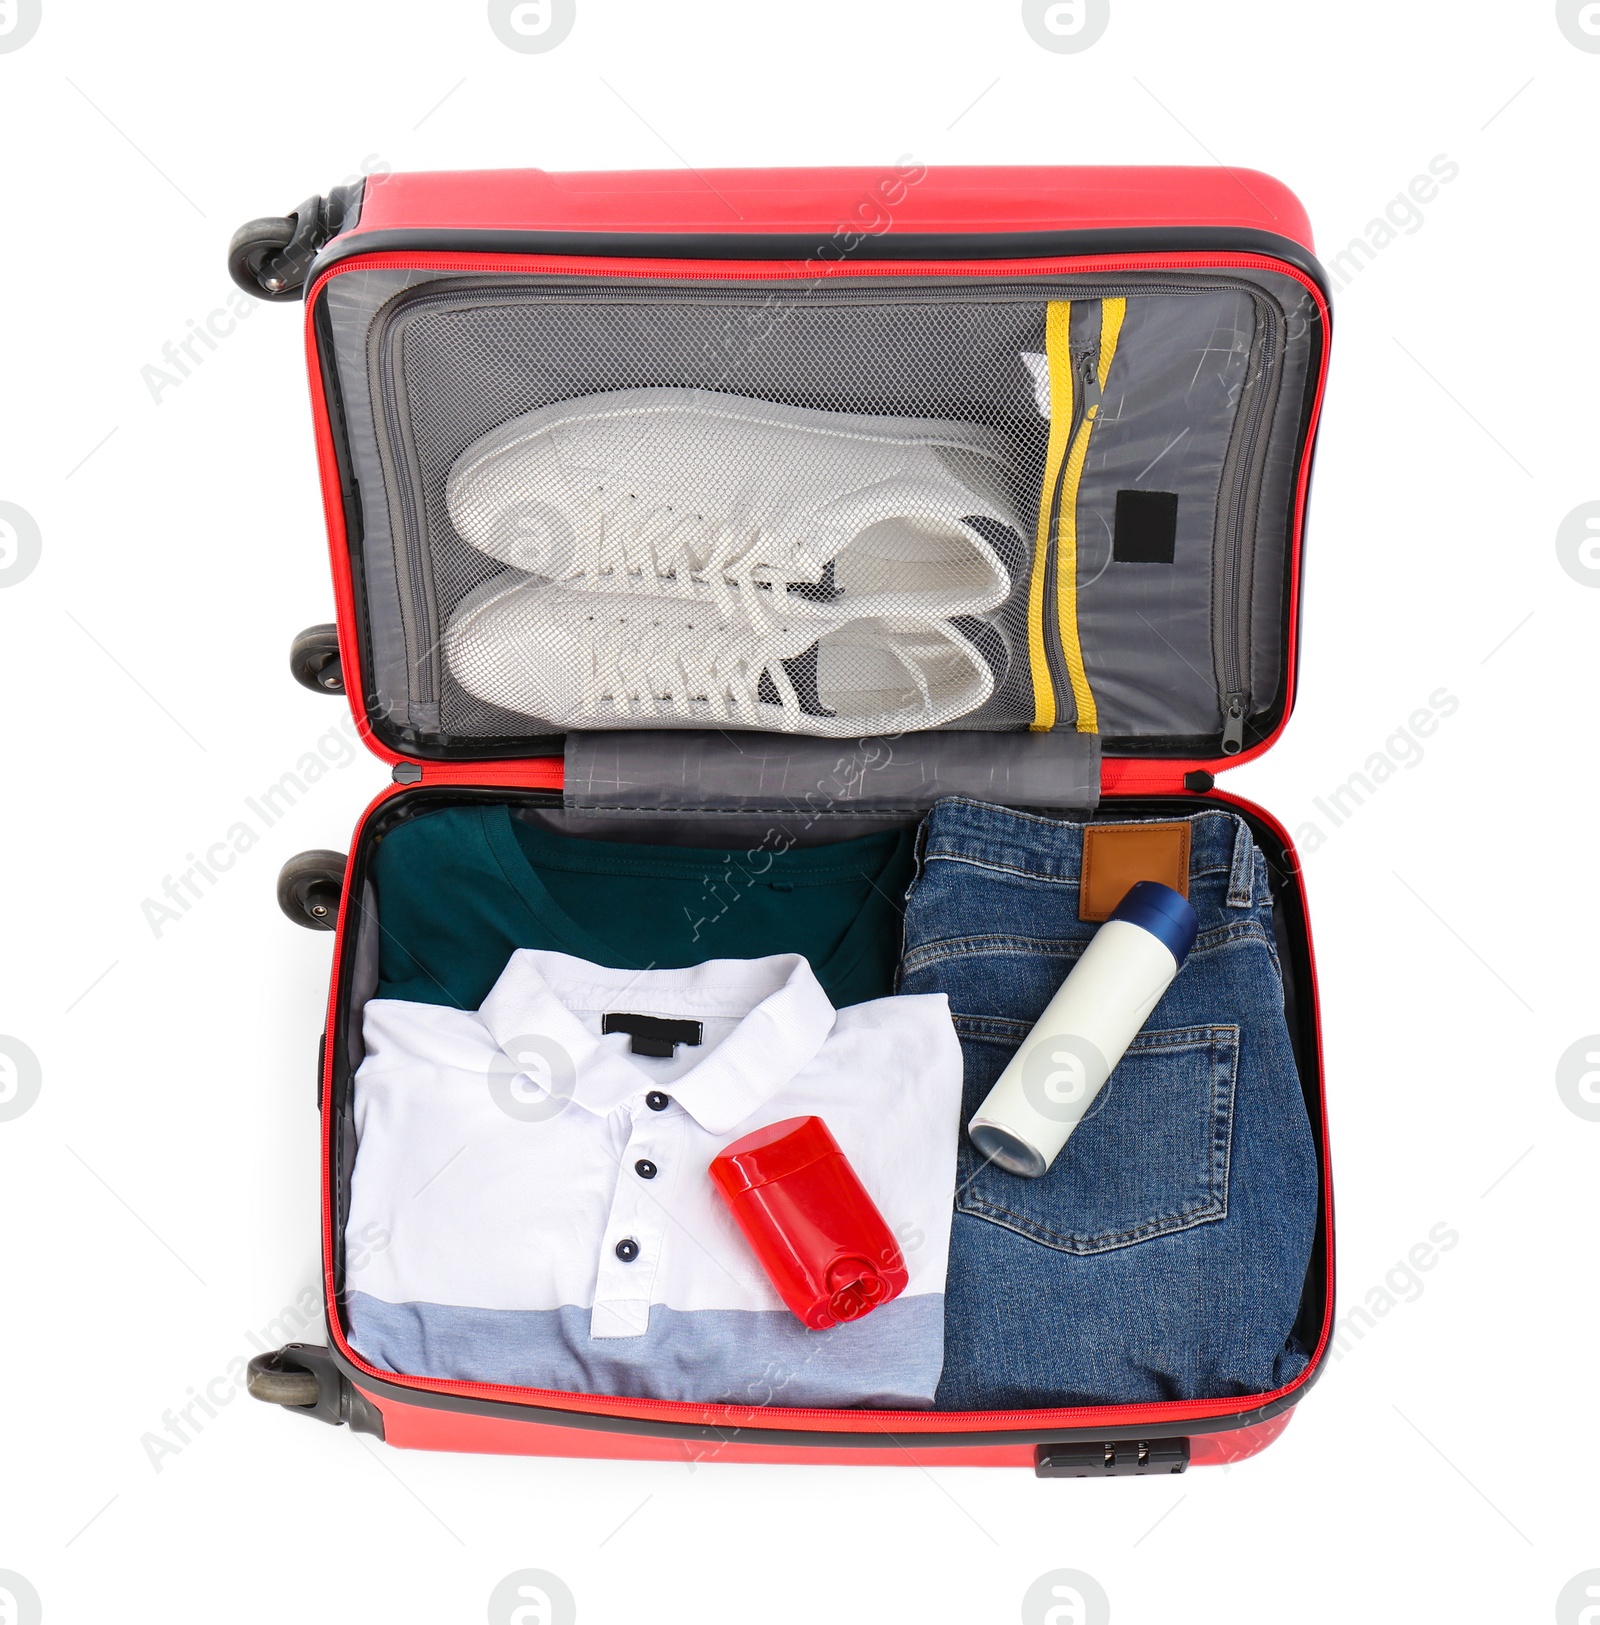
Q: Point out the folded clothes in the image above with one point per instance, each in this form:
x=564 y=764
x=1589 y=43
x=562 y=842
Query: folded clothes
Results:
x=1163 y=1254
x=458 y=890
x=544 y=1192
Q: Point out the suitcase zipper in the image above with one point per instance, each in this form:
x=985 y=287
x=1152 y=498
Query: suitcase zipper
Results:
x=1234 y=569
x=424 y=632
x=1046 y=656
x=521 y=773
x=1235 y=707
x=1057 y=678
x=768 y=1414
x=734 y=1418
x=419 y=607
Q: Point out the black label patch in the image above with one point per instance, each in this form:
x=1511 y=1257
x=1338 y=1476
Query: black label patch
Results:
x=652 y=1035
x=1147 y=527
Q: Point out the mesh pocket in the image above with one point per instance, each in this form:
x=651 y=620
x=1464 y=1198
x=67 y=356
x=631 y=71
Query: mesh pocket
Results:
x=779 y=512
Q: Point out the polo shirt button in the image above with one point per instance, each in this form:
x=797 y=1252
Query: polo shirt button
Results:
x=627 y=1249
x=645 y=1168
x=656 y=1101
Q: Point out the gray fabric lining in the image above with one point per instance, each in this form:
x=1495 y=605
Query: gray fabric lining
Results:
x=1165 y=425
x=352 y=301
x=1279 y=489
x=364 y=977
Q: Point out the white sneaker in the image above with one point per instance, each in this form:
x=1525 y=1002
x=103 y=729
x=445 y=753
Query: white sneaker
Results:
x=582 y=659
x=687 y=493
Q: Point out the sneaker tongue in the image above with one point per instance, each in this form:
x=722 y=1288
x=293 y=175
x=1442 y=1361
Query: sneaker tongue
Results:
x=1007 y=544
x=818 y=592
x=801 y=546
x=985 y=637
x=801 y=670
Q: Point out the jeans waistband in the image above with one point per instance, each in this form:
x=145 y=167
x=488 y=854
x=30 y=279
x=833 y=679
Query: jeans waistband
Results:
x=1223 y=861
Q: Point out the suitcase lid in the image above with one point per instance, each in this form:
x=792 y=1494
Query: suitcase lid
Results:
x=1093 y=392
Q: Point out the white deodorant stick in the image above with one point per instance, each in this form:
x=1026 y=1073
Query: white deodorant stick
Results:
x=1052 y=1080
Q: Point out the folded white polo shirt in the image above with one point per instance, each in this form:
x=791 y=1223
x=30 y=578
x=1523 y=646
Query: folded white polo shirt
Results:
x=530 y=1203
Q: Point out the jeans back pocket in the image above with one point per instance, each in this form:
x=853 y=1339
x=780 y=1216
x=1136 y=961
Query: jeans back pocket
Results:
x=1150 y=1158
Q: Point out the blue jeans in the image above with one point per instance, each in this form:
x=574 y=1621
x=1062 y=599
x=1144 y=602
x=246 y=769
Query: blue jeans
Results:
x=1162 y=1255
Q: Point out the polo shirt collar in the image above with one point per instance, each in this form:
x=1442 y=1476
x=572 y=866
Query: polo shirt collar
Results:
x=783 y=1019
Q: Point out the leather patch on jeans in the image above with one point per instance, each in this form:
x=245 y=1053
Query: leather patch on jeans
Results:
x=1117 y=856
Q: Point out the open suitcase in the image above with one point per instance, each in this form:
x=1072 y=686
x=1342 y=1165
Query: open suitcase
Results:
x=1184 y=305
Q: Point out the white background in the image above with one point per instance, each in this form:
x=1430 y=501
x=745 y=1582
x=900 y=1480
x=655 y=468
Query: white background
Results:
x=158 y=1204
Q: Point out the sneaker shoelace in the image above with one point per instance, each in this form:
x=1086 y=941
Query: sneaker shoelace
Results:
x=670 y=551
x=667 y=672
x=675 y=672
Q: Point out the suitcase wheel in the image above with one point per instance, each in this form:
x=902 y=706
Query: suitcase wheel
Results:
x=269 y=257
x=309 y=885
x=271 y=1381
x=314 y=660
x=305 y=1378
x=253 y=248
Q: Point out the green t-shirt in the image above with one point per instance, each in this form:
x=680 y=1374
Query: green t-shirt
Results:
x=459 y=890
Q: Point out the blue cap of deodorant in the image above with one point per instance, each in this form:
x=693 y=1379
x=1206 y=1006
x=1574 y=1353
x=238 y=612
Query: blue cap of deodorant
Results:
x=1164 y=913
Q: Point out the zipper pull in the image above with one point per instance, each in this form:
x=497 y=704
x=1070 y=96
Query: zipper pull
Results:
x=1091 y=386
x=1234 y=707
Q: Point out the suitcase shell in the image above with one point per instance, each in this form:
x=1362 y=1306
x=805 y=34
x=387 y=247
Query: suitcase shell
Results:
x=769 y=225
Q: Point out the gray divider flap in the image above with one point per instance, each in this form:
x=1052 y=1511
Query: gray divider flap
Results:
x=662 y=771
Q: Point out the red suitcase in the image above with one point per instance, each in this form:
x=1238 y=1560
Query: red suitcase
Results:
x=751 y=248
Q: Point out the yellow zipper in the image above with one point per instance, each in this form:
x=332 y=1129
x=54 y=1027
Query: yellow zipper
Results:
x=1061 y=508
x=1058 y=357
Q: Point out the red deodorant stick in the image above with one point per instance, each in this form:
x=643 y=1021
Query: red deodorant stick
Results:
x=820 y=1238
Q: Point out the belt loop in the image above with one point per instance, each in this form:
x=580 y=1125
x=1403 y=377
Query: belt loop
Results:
x=1241 y=882
x=919 y=856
